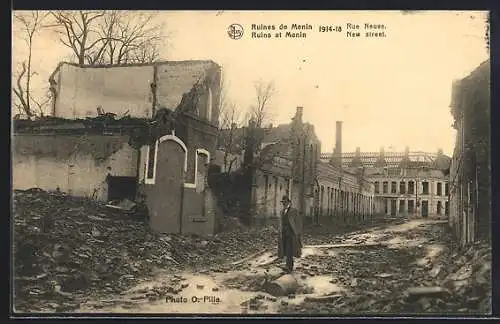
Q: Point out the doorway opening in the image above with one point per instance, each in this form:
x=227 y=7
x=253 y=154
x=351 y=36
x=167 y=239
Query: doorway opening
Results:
x=121 y=188
x=425 y=208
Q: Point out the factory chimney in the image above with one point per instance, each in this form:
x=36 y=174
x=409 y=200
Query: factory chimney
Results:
x=298 y=115
x=338 y=144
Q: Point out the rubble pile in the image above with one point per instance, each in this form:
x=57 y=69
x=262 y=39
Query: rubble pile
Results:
x=458 y=280
x=229 y=223
x=405 y=279
x=67 y=247
x=467 y=276
x=224 y=248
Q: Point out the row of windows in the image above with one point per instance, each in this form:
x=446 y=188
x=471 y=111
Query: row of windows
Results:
x=411 y=187
x=343 y=199
x=411 y=206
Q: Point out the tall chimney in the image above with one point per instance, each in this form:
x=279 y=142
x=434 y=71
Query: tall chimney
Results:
x=298 y=114
x=338 y=143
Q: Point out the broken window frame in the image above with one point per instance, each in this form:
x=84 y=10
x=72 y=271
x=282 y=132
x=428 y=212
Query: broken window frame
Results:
x=209 y=105
x=393 y=187
x=411 y=187
x=411 y=206
x=402 y=206
x=439 y=189
x=402 y=187
x=150 y=163
x=425 y=187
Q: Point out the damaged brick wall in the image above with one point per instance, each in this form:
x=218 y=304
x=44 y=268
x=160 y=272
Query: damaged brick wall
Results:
x=76 y=164
x=136 y=89
x=269 y=191
x=196 y=134
x=470 y=176
x=176 y=79
x=199 y=213
x=196 y=212
x=117 y=90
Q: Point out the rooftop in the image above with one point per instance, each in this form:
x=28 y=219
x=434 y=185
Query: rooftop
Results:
x=474 y=88
x=395 y=159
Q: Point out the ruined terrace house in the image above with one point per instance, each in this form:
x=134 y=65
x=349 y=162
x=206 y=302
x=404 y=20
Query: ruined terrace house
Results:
x=159 y=142
x=470 y=172
x=273 y=159
x=409 y=183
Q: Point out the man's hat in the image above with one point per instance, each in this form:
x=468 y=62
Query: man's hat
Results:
x=285 y=199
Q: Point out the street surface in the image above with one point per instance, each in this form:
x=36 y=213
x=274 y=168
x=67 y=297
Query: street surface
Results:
x=356 y=273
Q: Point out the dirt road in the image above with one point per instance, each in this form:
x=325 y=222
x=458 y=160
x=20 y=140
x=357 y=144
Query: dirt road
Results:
x=360 y=272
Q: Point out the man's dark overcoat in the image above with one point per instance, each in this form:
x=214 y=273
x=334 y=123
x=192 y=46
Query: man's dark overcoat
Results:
x=290 y=232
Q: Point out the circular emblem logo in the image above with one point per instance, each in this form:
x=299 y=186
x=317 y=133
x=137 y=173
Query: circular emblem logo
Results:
x=235 y=31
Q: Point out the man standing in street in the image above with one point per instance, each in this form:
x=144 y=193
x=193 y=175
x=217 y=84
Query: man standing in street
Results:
x=289 y=241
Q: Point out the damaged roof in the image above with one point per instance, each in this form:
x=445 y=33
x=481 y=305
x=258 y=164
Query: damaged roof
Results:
x=175 y=78
x=395 y=159
x=269 y=135
x=107 y=66
x=277 y=134
x=471 y=90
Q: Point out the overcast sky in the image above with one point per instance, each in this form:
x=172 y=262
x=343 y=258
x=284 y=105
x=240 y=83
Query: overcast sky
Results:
x=393 y=91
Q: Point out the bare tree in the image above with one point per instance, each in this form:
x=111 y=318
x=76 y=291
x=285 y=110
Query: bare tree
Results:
x=41 y=103
x=111 y=37
x=78 y=31
x=264 y=94
x=30 y=24
x=232 y=143
x=137 y=38
x=128 y=37
x=258 y=114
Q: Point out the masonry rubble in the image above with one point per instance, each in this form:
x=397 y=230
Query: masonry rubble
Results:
x=67 y=247
x=457 y=281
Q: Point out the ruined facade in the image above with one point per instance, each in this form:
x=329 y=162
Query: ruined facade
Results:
x=410 y=184
x=164 y=157
x=343 y=196
x=323 y=192
x=78 y=164
x=137 y=90
x=470 y=193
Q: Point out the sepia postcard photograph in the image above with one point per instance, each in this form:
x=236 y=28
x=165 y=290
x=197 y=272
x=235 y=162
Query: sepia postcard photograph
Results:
x=295 y=163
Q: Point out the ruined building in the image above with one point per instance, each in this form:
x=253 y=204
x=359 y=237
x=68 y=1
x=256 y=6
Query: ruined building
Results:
x=128 y=131
x=409 y=183
x=343 y=195
x=290 y=164
x=470 y=178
